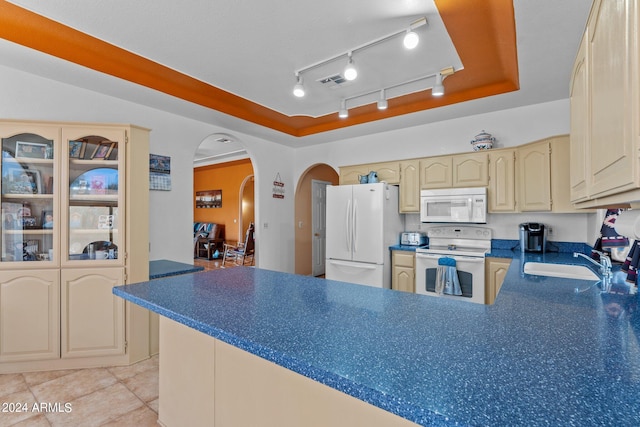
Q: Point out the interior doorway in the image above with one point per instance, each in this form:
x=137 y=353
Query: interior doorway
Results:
x=319 y=225
x=307 y=259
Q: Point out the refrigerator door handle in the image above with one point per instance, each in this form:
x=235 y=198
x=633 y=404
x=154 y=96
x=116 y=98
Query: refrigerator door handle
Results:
x=347 y=224
x=355 y=226
x=351 y=264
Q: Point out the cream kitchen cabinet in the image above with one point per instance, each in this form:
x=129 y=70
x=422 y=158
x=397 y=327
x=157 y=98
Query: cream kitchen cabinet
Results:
x=388 y=172
x=29 y=315
x=436 y=172
x=87 y=300
x=579 y=137
x=501 y=192
x=495 y=272
x=409 y=201
x=534 y=177
x=605 y=107
x=460 y=170
x=75 y=224
x=403 y=271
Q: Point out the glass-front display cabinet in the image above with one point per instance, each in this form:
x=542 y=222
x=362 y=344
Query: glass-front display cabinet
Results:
x=93 y=200
x=29 y=228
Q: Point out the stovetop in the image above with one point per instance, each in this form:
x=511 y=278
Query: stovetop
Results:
x=458 y=240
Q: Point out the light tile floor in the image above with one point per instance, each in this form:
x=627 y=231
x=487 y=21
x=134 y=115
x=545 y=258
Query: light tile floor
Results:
x=114 y=396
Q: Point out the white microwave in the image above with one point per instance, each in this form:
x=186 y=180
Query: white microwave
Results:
x=467 y=205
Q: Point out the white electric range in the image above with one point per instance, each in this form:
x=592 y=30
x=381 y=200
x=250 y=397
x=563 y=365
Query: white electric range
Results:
x=467 y=245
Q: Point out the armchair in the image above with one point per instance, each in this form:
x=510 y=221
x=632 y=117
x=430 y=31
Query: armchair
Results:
x=207 y=237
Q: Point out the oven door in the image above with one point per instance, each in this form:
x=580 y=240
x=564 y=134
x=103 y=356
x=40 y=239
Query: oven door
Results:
x=470 y=274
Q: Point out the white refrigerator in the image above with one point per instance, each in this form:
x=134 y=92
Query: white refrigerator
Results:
x=362 y=222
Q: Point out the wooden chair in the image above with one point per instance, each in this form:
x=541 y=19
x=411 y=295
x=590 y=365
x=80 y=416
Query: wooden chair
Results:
x=241 y=252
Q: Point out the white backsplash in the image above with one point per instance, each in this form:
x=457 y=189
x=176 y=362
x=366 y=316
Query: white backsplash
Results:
x=578 y=227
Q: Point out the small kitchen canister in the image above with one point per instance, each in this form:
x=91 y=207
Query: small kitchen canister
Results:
x=483 y=141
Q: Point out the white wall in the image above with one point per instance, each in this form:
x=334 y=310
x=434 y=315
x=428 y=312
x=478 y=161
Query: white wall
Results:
x=26 y=96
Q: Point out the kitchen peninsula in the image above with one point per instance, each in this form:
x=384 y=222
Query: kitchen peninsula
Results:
x=246 y=344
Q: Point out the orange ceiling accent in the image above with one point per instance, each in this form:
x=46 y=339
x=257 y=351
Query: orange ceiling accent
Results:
x=483 y=32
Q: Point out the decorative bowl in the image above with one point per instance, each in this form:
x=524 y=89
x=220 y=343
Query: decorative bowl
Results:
x=483 y=141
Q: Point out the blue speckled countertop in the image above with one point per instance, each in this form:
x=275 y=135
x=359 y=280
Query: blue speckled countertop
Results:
x=165 y=268
x=542 y=355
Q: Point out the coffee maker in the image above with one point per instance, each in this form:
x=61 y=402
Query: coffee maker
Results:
x=533 y=237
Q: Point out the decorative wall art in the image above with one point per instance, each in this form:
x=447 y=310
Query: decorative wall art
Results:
x=278 y=187
x=209 y=199
x=159 y=172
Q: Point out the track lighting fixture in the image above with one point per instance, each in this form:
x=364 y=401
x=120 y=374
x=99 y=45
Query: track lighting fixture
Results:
x=411 y=39
x=382 y=102
x=298 y=89
x=343 y=113
x=350 y=72
x=438 y=88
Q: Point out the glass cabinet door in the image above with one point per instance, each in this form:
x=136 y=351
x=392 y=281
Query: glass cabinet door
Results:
x=94 y=196
x=29 y=206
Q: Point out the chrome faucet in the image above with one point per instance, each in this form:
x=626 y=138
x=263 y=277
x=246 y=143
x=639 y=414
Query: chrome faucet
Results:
x=605 y=267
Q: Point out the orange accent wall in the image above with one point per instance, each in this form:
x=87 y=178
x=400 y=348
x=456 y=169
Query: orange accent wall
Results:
x=227 y=177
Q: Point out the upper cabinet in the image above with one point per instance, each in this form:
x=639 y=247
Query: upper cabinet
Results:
x=534 y=177
x=409 y=201
x=460 y=170
x=605 y=107
x=388 y=172
x=501 y=193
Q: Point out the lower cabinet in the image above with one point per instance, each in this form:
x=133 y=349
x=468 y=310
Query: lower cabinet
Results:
x=403 y=271
x=92 y=317
x=495 y=272
x=29 y=315
x=66 y=319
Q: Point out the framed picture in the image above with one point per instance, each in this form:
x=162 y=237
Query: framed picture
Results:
x=28 y=222
x=23 y=181
x=31 y=150
x=103 y=150
x=77 y=149
x=47 y=219
x=209 y=199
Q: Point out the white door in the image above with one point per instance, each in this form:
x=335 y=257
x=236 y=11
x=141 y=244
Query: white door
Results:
x=339 y=222
x=356 y=272
x=368 y=225
x=319 y=224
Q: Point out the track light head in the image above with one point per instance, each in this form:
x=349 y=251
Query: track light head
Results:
x=350 y=72
x=298 y=89
x=438 y=87
x=411 y=39
x=343 y=113
x=382 y=102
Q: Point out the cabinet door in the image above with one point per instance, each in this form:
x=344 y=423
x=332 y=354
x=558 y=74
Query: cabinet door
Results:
x=92 y=317
x=579 y=139
x=29 y=228
x=94 y=213
x=350 y=175
x=613 y=161
x=435 y=172
x=534 y=177
x=409 y=186
x=502 y=181
x=29 y=315
x=403 y=275
x=496 y=270
x=470 y=170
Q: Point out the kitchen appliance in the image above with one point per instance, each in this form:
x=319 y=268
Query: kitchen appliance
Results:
x=413 y=238
x=467 y=245
x=467 y=205
x=362 y=221
x=533 y=237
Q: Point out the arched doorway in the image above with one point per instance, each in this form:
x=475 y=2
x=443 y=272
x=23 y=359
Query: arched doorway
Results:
x=309 y=247
x=223 y=166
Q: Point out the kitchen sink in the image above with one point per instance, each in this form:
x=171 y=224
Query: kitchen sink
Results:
x=560 y=270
